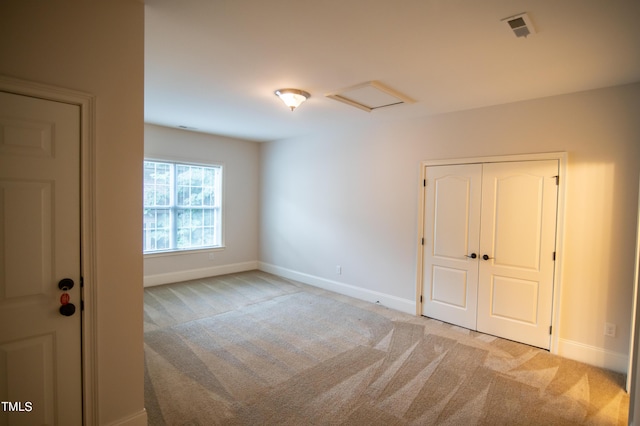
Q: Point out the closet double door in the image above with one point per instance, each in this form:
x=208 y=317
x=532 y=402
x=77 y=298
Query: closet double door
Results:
x=489 y=247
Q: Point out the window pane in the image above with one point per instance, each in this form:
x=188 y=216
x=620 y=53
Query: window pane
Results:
x=163 y=195
x=163 y=173
x=208 y=196
x=157 y=184
x=184 y=228
x=209 y=236
x=149 y=171
x=207 y=179
x=196 y=176
x=156 y=231
x=183 y=176
x=182 y=204
x=149 y=195
x=193 y=230
x=196 y=186
x=195 y=197
x=157 y=173
x=196 y=237
x=163 y=218
x=208 y=217
x=183 y=196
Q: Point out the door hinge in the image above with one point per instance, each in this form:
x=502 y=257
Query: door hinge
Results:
x=420 y=298
x=550 y=328
x=424 y=182
x=422 y=241
x=81 y=293
x=554 y=256
x=557 y=179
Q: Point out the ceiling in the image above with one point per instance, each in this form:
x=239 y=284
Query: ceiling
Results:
x=213 y=65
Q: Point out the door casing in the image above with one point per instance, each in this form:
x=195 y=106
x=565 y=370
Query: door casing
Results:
x=562 y=161
x=86 y=103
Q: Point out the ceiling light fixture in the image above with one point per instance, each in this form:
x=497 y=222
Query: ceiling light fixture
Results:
x=292 y=97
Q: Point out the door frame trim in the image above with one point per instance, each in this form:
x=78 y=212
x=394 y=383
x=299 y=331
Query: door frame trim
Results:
x=562 y=159
x=89 y=319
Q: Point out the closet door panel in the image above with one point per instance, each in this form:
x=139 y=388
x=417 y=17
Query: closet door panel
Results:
x=517 y=221
x=452 y=212
x=517 y=244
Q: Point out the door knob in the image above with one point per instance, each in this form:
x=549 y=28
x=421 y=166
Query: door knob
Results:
x=486 y=257
x=68 y=309
x=472 y=255
x=65 y=284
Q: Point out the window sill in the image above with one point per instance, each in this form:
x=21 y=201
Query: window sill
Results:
x=183 y=252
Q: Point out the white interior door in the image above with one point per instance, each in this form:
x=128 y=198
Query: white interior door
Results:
x=40 y=349
x=504 y=214
x=451 y=223
x=518 y=229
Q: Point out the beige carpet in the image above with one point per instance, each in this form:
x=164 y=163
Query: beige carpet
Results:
x=256 y=349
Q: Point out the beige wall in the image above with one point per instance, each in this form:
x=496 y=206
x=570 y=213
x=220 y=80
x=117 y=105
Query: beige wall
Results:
x=98 y=47
x=347 y=198
x=241 y=164
x=350 y=198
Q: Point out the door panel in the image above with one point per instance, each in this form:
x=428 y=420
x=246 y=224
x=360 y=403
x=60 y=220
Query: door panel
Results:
x=40 y=350
x=451 y=215
x=449 y=286
x=452 y=208
x=30 y=377
x=514 y=299
x=25 y=202
x=517 y=207
x=518 y=223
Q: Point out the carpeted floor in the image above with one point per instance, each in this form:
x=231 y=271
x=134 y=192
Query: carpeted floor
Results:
x=256 y=349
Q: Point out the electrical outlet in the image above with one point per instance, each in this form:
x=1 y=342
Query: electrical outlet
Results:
x=338 y=269
x=609 y=329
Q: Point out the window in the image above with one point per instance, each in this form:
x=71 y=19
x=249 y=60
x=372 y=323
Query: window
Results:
x=182 y=206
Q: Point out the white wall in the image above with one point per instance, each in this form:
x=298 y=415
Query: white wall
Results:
x=241 y=166
x=98 y=47
x=351 y=199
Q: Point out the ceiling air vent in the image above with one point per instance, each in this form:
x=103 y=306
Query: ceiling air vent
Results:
x=369 y=96
x=521 y=25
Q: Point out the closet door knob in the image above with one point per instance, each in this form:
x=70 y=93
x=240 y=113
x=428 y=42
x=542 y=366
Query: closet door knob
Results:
x=472 y=255
x=486 y=257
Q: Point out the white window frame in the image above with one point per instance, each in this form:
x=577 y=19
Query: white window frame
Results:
x=173 y=207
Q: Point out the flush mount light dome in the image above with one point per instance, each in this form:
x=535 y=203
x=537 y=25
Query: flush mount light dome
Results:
x=292 y=97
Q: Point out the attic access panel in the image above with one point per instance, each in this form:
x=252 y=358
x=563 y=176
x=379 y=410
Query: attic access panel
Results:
x=369 y=96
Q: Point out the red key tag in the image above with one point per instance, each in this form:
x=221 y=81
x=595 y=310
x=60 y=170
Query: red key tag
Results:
x=64 y=298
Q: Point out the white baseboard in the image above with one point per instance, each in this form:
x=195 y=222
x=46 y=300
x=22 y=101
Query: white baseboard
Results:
x=138 y=419
x=577 y=351
x=593 y=355
x=194 y=274
x=393 y=302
